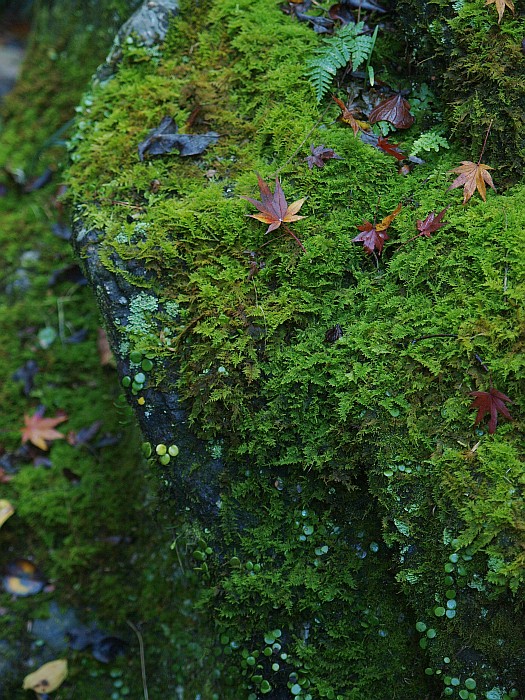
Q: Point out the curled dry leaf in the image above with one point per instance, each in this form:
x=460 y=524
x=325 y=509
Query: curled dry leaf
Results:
x=472 y=176
x=6 y=510
x=348 y=117
x=47 y=678
x=395 y=110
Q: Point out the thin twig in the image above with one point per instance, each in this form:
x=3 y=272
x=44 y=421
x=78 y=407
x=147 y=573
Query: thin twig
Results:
x=142 y=659
x=435 y=335
x=314 y=127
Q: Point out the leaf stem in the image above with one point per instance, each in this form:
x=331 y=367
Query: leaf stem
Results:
x=485 y=141
x=292 y=234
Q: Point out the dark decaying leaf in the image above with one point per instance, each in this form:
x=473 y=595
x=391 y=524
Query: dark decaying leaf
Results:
x=166 y=139
x=333 y=334
x=26 y=374
x=104 y=647
x=84 y=435
x=364 y=5
x=348 y=116
x=319 y=155
x=491 y=402
x=320 y=24
x=395 y=110
x=342 y=12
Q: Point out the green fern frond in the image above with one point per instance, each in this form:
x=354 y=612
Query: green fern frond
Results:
x=429 y=141
x=349 y=44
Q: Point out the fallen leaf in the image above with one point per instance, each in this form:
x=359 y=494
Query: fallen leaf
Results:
x=365 y=5
x=320 y=155
x=373 y=236
x=395 y=110
x=472 y=176
x=390 y=148
x=342 y=12
x=166 y=139
x=23 y=578
x=5 y=478
x=274 y=208
x=38 y=429
x=47 y=678
x=6 y=510
x=491 y=402
x=500 y=7
x=348 y=117
x=432 y=223
x=333 y=334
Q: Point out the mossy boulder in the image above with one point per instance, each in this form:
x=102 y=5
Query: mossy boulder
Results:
x=357 y=537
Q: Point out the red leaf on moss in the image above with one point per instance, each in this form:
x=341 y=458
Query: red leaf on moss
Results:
x=491 y=402
x=320 y=155
x=390 y=148
x=373 y=236
x=432 y=223
x=395 y=110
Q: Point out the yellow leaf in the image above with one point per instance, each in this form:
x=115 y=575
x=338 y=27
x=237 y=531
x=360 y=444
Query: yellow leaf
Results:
x=47 y=678
x=6 y=510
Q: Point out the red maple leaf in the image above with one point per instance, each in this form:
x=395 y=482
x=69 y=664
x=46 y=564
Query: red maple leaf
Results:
x=390 y=148
x=274 y=208
x=38 y=429
x=320 y=154
x=492 y=402
x=431 y=223
x=373 y=236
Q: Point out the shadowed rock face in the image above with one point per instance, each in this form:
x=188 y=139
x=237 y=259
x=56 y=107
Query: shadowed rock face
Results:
x=195 y=479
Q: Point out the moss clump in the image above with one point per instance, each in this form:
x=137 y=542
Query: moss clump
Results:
x=478 y=65
x=369 y=434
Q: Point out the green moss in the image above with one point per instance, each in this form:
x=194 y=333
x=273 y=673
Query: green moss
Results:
x=372 y=433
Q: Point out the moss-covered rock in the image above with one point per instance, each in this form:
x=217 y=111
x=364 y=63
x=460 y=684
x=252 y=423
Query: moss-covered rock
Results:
x=359 y=538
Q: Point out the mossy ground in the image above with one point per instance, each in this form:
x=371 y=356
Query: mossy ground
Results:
x=102 y=539
x=371 y=434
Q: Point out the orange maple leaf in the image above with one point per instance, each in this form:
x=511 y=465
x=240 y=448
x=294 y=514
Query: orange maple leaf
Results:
x=38 y=429
x=500 y=7
x=274 y=208
x=472 y=176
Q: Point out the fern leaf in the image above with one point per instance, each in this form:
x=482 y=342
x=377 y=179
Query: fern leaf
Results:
x=429 y=141
x=348 y=44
